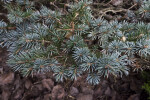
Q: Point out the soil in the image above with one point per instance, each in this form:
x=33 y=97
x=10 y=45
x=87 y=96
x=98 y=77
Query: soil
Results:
x=43 y=87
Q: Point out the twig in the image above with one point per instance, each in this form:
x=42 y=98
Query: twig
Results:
x=111 y=9
x=53 y=3
x=100 y=4
x=3 y=14
x=109 y=2
x=132 y=6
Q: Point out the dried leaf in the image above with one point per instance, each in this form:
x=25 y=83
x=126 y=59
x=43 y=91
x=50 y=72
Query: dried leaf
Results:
x=7 y=78
x=134 y=97
x=85 y=97
x=87 y=90
x=5 y=94
x=48 y=84
x=74 y=91
x=47 y=97
x=58 y=93
x=108 y=91
x=28 y=84
x=18 y=94
x=117 y=2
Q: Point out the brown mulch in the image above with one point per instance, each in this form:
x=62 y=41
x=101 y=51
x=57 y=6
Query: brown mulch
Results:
x=43 y=87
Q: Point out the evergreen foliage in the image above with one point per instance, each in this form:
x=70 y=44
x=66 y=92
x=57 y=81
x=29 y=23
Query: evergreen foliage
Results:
x=146 y=85
x=43 y=40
